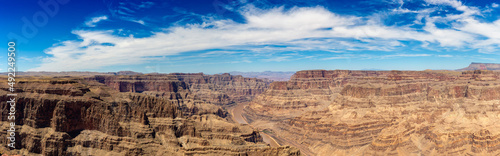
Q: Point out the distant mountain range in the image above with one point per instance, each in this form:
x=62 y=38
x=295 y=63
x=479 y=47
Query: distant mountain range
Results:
x=271 y=75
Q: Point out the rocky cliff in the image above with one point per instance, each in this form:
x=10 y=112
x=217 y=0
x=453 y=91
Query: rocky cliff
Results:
x=271 y=75
x=481 y=66
x=384 y=112
x=75 y=116
x=216 y=89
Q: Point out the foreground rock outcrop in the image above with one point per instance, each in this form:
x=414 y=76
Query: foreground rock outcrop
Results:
x=383 y=112
x=76 y=116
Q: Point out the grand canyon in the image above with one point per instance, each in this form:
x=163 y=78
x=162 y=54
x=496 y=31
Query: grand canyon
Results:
x=315 y=112
x=250 y=78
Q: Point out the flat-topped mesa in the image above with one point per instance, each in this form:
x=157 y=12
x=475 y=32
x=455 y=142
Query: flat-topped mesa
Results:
x=481 y=66
x=367 y=74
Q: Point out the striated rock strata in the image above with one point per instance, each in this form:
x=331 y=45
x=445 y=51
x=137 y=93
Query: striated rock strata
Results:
x=216 y=89
x=73 y=116
x=384 y=112
x=481 y=66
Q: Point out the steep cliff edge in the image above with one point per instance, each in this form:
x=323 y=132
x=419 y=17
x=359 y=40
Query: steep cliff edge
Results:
x=74 y=116
x=216 y=89
x=306 y=91
x=385 y=112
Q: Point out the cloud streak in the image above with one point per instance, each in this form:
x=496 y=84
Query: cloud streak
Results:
x=92 y=22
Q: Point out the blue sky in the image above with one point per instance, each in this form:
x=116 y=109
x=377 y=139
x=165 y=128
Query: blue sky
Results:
x=216 y=36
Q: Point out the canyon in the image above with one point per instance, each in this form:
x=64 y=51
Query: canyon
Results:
x=315 y=112
x=159 y=114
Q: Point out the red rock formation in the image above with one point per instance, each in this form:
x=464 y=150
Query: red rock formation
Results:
x=384 y=112
x=481 y=66
x=216 y=89
x=72 y=116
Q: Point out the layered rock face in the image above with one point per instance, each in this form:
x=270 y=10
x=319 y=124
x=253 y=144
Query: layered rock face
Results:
x=306 y=91
x=224 y=89
x=74 y=116
x=216 y=89
x=481 y=66
x=387 y=112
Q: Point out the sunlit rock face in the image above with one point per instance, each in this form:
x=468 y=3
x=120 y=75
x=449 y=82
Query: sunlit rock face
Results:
x=481 y=66
x=384 y=112
x=223 y=89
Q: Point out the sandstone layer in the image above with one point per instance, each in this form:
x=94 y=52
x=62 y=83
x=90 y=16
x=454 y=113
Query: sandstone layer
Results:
x=481 y=66
x=383 y=112
x=76 y=116
x=216 y=89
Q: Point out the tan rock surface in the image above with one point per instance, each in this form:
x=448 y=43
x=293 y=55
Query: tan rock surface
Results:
x=216 y=89
x=74 y=116
x=385 y=112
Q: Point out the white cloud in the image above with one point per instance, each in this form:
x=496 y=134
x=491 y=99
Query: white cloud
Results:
x=458 y=5
x=489 y=30
x=242 y=61
x=453 y=3
x=275 y=26
x=405 y=55
x=26 y=59
x=139 y=21
x=92 y=22
x=295 y=19
x=494 y=5
x=335 y=58
x=277 y=59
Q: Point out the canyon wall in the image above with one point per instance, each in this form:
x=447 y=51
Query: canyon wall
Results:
x=481 y=66
x=76 y=116
x=216 y=89
x=383 y=112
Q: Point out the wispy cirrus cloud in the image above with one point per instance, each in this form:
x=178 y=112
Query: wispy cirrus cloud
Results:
x=277 y=59
x=336 y=58
x=444 y=55
x=93 y=21
x=405 y=55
